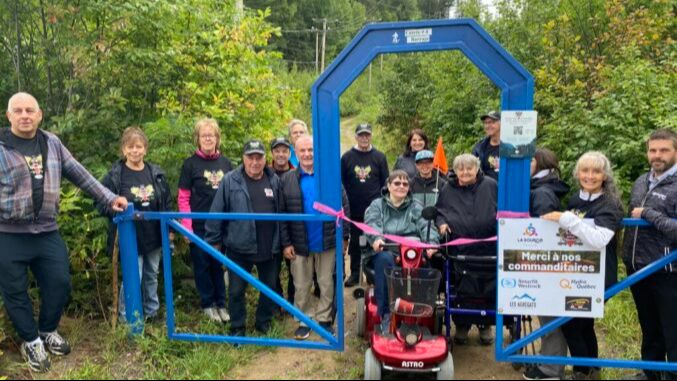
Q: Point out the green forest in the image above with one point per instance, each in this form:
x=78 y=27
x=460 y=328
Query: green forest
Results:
x=605 y=74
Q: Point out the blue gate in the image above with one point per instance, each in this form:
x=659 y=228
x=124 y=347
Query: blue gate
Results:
x=517 y=90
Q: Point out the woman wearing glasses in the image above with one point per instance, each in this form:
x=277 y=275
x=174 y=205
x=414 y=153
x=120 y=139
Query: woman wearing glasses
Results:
x=467 y=208
x=200 y=178
x=394 y=213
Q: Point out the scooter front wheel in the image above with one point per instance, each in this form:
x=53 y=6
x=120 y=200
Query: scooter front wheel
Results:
x=446 y=369
x=372 y=367
x=360 y=317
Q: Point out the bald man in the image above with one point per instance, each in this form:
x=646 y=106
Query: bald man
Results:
x=310 y=246
x=32 y=162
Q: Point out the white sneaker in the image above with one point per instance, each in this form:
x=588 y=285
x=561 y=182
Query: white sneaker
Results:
x=213 y=315
x=36 y=356
x=224 y=315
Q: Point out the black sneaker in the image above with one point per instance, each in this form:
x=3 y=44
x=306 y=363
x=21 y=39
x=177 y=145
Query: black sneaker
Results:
x=237 y=332
x=36 y=356
x=352 y=280
x=302 y=333
x=56 y=344
x=328 y=326
x=263 y=329
x=534 y=373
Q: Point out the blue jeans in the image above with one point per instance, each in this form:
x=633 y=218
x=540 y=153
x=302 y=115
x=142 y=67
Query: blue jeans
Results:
x=209 y=281
x=237 y=304
x=149 y=269
x=382 y=261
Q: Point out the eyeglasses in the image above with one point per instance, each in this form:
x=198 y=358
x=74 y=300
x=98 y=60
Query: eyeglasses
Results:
x=403 y=184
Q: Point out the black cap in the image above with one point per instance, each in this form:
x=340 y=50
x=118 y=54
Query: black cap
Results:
x=281 y=140
x=254 y=146
x=363 y=128
x=495 y=115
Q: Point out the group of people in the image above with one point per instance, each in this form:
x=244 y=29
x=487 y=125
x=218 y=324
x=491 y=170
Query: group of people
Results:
x=32 y=162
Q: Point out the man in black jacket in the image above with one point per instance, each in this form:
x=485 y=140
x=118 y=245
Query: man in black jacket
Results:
x=654 y=198
x=310 y=246
x=364 y=171
x=249 y=188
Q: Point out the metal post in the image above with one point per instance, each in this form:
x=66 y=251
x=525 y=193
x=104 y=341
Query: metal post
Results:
x=129 y=257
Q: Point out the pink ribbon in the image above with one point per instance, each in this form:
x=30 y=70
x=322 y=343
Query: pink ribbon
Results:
x=340 y=215
x=506 y=214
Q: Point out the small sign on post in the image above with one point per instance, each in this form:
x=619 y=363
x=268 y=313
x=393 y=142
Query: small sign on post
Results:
x=545 y=270
x=518 y=133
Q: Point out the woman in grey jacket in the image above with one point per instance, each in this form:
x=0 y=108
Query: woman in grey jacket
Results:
x=395 y=213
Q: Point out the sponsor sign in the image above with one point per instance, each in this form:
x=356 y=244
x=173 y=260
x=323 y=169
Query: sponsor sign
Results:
x=546 y=270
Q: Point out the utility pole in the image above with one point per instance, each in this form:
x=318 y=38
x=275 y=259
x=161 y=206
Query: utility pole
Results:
x=324 y=40
x=317 y=49
x=18 y=45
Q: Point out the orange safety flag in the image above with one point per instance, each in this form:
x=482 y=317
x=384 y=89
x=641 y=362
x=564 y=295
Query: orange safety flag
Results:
x=440 y=160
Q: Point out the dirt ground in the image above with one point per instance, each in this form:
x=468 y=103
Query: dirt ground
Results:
x=472 y=361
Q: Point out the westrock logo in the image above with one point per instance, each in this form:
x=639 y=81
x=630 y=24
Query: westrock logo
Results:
x=568 y=239
x=530 y=235
x=523 y=301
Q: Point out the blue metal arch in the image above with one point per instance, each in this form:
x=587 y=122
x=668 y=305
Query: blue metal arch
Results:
x=514 y=81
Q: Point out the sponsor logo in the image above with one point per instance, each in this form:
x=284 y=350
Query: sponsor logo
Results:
x=523 y=301
x=530 y=235
x=529 y=284
x=413 y=364
x=508 y=283
x=578 y=304
x=566 y=238
x=576 y=284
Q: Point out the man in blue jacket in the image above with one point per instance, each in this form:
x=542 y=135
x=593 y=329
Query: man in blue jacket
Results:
x=654 y=198
x=32 y=163
x=251 y=188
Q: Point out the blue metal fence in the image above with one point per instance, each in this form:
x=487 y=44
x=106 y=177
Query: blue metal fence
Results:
x=130 y=270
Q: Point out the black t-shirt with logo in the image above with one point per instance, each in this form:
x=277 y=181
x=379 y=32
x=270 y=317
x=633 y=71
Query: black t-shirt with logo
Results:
x=202 y=177
x=30 y=150
x=363 y=174
x=138 y=187
x=263 y=201
x=492 y=162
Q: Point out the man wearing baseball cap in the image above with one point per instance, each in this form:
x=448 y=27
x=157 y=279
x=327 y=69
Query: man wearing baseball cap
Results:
x=364 y=171
x=280 y=148
x=250 y=188
x=487 y=149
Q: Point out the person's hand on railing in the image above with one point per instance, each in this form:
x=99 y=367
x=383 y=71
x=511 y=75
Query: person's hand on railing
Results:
x=119 y=204
x=552 y=216
x=430 y=252
x=637 y=212
x=444 y=229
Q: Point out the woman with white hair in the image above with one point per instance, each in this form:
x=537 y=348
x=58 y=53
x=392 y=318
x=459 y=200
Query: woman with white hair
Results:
x=467 y=208
x=598 y=200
